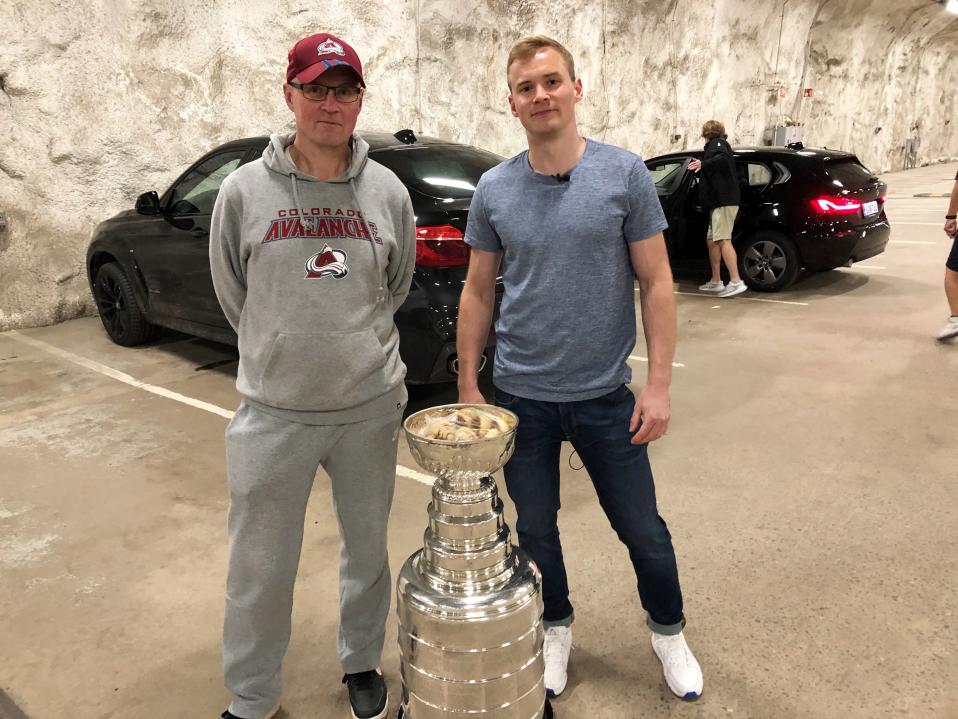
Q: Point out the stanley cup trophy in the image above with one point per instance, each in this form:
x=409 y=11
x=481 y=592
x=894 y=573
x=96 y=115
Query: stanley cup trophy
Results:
x=469 y=603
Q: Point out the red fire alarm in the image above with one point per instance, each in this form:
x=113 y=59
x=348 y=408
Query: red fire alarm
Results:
x=808 y=92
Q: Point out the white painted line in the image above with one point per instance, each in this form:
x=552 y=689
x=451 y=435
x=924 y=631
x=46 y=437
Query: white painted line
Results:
x=867 y=267
x=918 y=224
x=120 y=376
x=638 y=358
x=739 y=297
x=414 y=475
x=163 y=392
x=911 y=242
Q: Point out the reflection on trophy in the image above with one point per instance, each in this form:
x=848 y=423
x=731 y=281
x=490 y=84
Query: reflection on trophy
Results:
x=469 y=603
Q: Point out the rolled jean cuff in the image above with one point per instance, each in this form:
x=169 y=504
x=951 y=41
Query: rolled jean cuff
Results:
x=567 y=622
x=668 y=630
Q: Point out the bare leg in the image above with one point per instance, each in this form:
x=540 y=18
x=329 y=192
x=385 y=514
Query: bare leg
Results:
x=951 y=290
x=715 y=258
x=730 y=259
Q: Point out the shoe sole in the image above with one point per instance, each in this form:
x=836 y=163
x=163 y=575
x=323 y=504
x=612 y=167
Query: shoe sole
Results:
x=687 y=696
x=949 y=336
x=381 y=715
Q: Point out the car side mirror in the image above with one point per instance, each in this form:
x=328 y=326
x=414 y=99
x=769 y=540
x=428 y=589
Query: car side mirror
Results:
x=148 y=203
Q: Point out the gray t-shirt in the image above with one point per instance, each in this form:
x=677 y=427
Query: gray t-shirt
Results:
x=567 y=321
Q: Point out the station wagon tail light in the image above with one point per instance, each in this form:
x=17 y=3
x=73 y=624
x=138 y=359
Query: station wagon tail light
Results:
x=441 y=246
x=830 y=205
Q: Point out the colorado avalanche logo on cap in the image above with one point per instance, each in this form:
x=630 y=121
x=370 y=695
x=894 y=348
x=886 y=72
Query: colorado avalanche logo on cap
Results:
x=327 y=263
x=330 y=47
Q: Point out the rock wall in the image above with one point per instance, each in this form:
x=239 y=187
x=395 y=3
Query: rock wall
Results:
x=101 y=100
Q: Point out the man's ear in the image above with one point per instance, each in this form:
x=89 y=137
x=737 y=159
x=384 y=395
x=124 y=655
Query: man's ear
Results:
x=578 y=89
x=288 y=94
x=512 y=106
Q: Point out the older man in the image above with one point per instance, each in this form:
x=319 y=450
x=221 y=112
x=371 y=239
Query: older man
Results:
x=312 y=250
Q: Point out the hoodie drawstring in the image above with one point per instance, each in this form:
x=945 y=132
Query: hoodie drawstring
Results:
x=381 y=291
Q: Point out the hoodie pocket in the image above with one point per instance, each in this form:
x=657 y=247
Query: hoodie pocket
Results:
x=324 y=372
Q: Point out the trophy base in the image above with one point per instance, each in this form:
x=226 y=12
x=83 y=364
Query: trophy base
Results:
x=546 y=714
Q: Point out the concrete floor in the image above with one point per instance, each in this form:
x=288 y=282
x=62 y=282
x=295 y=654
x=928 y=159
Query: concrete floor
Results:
x=808 y=480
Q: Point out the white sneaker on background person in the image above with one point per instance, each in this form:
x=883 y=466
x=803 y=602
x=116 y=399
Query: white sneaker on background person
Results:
x=949 y=330
x=712 y=286
x=682 y=672
x=556 y=650
x=733 y=288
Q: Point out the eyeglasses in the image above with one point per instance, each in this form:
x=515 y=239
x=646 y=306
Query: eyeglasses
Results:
x=317 y=92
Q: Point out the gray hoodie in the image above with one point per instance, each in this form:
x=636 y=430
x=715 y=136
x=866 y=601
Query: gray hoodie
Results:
x=309 y=274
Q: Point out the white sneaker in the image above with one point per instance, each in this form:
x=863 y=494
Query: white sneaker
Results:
x=556 y=650
x=712 y=286
x=682 y=673
x=733 y=288
x=949 y=330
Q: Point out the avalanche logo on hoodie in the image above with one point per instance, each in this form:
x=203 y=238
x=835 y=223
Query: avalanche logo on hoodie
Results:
x=327 y=263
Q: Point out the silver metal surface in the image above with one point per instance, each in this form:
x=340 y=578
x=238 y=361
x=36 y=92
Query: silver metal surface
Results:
x=469 y=603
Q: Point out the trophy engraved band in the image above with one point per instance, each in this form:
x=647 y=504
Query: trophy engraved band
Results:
x=469 y=603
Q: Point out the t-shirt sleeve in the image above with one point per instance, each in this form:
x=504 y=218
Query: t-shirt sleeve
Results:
x=645 y=217
x=479 y=231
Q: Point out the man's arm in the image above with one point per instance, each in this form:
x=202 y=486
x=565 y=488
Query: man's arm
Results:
x=650 y=262
x=952 y=225
x=399 y=273
x=476 y=304
x=227 y=261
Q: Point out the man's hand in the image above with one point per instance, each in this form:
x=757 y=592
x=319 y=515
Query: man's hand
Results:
x=653 y=408
x=695 y=165
x=951 y=227
x=471 y=395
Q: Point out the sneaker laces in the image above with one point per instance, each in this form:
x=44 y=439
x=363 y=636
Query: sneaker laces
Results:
x=553 y=650
x=361 y=681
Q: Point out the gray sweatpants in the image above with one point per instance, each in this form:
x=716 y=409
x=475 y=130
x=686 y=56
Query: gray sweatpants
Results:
x=271 y=465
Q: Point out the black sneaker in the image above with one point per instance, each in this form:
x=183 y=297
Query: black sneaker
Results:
x=367 y=694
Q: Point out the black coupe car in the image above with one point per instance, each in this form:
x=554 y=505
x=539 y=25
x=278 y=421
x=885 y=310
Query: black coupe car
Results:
x=149 y=266
x=800 y=209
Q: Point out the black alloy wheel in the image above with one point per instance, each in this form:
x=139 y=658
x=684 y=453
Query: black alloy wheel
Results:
x=116 y=303
x=768 y=262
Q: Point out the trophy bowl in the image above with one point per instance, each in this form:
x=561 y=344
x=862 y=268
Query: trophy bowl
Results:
x=479 y=449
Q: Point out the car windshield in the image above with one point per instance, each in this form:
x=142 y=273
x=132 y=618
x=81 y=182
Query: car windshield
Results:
x=438 y=170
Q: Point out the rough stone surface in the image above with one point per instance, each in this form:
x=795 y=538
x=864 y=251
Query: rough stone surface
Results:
x=100 y=101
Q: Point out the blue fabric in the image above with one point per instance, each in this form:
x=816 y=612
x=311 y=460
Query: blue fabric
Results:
x=567 y=320
x=599 y=431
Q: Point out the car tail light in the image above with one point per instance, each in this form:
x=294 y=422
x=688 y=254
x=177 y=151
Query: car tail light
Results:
x=441 y=246
x=831 y=205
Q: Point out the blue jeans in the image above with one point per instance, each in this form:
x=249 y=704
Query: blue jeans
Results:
x=599 y=431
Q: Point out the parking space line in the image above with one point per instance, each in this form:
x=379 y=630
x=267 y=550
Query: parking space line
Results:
x=912 y=242
x=713 y=296
x=868 y=267
x=639 y=358
x=162 y=391
x=120 y=376
x=916 y=224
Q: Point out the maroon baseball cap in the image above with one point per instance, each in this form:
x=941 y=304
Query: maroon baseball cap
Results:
x=312 y=56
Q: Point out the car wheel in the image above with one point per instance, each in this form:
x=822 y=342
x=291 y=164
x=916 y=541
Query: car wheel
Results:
x=119 y=312
x=768 y=262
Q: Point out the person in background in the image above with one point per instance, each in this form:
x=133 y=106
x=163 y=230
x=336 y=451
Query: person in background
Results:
x=719 y=193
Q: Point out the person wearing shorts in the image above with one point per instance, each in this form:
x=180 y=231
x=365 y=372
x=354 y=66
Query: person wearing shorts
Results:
x=950 y=330
x=718 y=191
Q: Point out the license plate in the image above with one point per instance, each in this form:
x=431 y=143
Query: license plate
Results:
x=870 y=208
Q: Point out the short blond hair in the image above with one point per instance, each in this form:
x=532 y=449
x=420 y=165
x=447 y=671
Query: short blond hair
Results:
x=529 y=46
x=713 y=129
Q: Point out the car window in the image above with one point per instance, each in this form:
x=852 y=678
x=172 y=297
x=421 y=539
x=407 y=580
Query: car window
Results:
x=196 y=192
x=438 y=170
x=665 y=174
x=757 y=175
x=849 y=174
